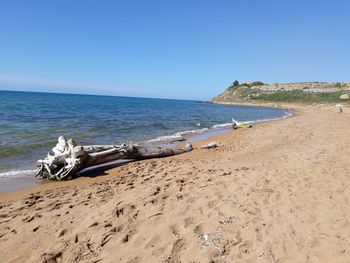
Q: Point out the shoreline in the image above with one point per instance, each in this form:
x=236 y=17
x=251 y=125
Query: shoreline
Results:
x=198 y=140
x=14 y=184
x=278 y=190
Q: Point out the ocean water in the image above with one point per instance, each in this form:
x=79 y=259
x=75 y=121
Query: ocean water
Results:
x=31 y=122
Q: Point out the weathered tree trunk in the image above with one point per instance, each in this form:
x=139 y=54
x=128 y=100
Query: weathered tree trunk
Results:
x=67 y=159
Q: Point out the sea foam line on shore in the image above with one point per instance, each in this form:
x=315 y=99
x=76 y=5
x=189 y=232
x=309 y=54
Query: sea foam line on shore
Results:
x=16 y=173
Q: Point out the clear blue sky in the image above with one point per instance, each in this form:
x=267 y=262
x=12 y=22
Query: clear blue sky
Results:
x=170 y=49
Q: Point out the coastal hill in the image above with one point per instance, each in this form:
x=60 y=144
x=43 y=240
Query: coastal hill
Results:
x=302 y=92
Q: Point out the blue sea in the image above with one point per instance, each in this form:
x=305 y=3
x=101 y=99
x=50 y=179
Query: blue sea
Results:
x=31 y=122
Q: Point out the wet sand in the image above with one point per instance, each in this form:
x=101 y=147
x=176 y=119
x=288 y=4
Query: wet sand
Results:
x=278 y=192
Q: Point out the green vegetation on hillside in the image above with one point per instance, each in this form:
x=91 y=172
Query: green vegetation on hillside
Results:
x=254 y=83
x=298 y=96
x=303 y=92
x=236 y=85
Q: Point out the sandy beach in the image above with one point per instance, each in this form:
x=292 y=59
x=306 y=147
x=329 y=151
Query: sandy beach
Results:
x=278 y=192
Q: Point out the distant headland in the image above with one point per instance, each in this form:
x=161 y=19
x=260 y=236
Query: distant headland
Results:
x=301 y=92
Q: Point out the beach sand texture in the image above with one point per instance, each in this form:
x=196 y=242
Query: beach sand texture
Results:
x=278 y=192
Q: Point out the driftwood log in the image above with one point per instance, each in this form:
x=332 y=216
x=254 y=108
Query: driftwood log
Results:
x=67 y=158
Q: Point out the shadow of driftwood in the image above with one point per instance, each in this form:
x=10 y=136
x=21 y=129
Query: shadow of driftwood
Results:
x=100 y=170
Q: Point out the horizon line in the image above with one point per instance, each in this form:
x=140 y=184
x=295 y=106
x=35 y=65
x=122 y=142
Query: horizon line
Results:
x=101 y=95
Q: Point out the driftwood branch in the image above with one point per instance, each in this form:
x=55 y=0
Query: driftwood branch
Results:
x=67 y=158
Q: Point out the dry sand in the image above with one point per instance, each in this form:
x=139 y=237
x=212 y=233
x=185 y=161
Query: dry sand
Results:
x=278 y=192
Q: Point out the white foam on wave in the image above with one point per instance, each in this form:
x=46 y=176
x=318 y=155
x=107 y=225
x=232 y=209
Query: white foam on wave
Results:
x=177 y=136
x=191 y=131
x=17 y=173
x=222 y=125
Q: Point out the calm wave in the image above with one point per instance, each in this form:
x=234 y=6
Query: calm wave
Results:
x=31 y=122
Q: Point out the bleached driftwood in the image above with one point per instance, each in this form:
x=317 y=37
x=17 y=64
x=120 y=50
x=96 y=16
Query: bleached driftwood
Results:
x=210 y=145
x=67 y=158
